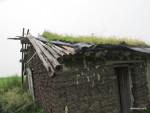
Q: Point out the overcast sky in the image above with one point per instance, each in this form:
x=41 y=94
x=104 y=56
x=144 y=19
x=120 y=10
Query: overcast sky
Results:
x=120 y=18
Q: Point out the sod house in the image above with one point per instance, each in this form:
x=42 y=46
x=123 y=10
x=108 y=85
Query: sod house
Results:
x=67 y=77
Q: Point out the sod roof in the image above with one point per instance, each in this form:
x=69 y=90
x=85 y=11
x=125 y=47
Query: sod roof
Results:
x=93 y=39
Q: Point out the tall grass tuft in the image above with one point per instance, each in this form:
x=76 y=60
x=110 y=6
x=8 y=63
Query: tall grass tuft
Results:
x=92 y=39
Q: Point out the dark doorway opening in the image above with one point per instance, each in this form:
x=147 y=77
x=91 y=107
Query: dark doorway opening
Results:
x=123 y=86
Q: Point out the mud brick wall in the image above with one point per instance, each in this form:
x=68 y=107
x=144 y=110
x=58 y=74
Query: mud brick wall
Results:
x=85 y=86
x=43 y=84
x=139 y=83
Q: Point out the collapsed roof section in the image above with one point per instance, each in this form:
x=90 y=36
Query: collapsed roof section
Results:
x=49 y=53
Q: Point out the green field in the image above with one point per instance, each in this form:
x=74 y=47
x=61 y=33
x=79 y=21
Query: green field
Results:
x=15 y=98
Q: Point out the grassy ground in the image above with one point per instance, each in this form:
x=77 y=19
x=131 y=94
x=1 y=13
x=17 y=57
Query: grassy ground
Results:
x=92 y=39
x=14 y=98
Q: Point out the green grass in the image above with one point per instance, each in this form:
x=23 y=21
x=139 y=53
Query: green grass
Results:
x=14 y=97
x=10 y=82
x=92 y=39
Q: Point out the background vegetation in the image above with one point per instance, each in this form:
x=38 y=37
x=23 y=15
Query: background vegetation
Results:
x=15 y=98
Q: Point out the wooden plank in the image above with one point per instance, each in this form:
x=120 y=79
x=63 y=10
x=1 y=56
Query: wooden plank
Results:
x=21 y=38
x=46 y=64
x=30 y=82
x=24 y=50
x=148 y=76
x=123 y=62
x=31 y=58
x=14 y=38
x=22 y=61
x=121 y=65
x=117 y=93
x=131 y=87
x=123 y=82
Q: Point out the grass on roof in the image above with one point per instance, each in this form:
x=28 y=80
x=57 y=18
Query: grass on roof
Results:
x=92 y=39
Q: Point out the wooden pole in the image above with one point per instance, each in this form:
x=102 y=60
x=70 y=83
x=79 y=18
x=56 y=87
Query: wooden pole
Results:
x=27 y=31
x=23 y=32
x=50 y=50
x=71 y=50
x=57 y=50
x=46 y=64
x=22 y=58
x=51 y=59
x=62 y=50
